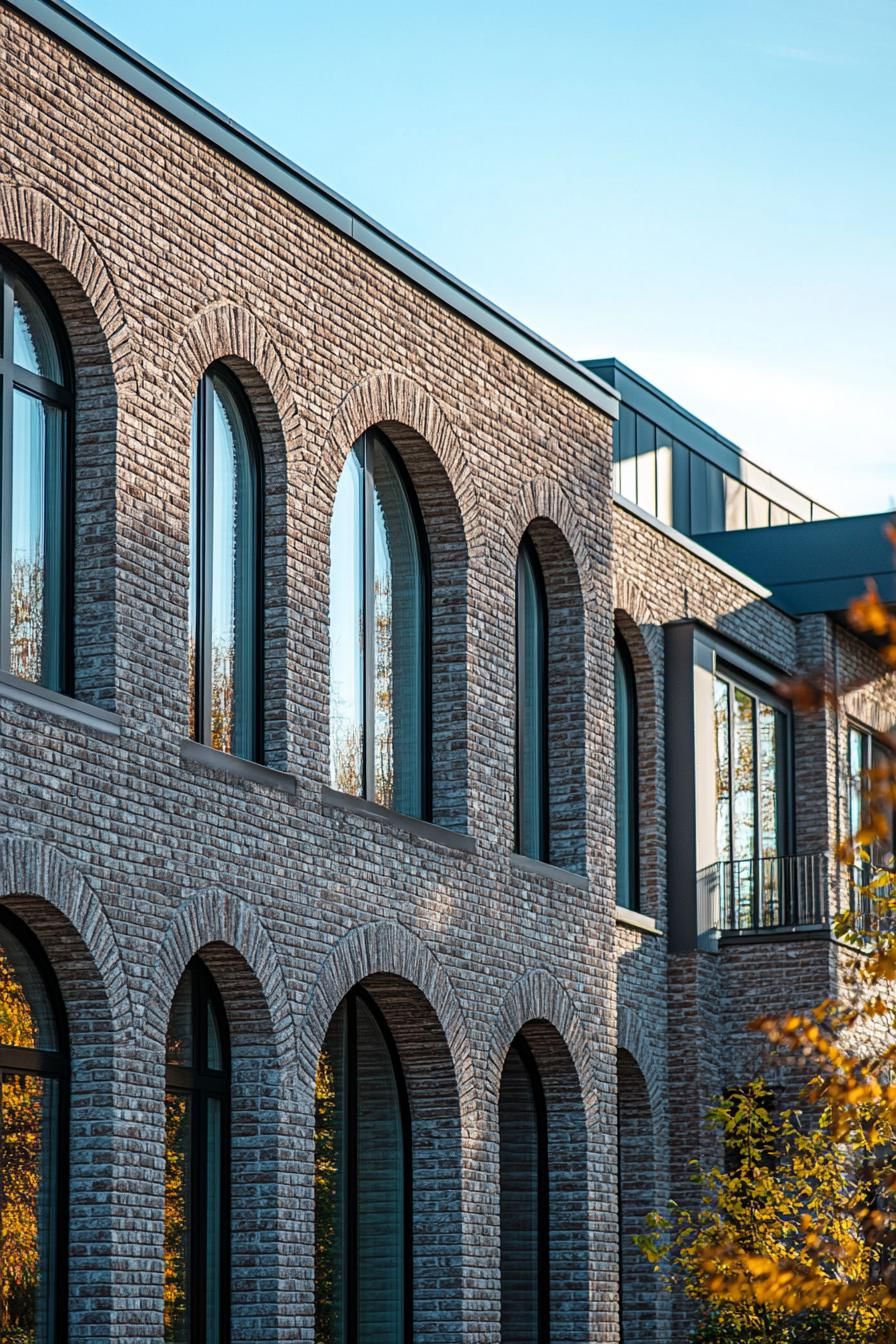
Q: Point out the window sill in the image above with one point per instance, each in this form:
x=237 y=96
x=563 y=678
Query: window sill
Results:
x=424 y=830
x=23 y=692
x=223 y=763
x=633 y=919
x=535 y=868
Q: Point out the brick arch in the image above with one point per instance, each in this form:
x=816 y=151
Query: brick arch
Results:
x=46 y=239
x=538 y=996
x=629 y=596
x=30 y=867
x=215 y=916
x=393 y=400
x=29 y=217
x=386 y=948
x=630 y=1037
x=650 y=784
x=539 y=1010
x=445 y=492
x=228 y=332
x=421 y=1011
x=49 y=893
x=544 y=499
x=638 y=1196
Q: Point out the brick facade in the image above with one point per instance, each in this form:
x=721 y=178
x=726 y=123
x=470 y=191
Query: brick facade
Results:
x=126 y=853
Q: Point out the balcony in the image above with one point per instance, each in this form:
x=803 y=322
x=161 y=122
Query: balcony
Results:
x=762 y=896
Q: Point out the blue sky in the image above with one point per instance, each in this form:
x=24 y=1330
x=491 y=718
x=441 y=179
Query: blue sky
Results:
x=705 y=189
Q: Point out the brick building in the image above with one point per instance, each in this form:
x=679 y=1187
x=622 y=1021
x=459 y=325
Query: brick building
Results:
x=329 y=596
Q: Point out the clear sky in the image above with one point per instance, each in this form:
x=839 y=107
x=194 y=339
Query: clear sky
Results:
x=705 y=189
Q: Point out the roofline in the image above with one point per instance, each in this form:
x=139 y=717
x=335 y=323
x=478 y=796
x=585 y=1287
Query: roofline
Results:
x=702 y=424
x=206 y=121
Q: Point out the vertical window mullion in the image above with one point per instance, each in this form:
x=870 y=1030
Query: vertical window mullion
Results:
x=369 y=602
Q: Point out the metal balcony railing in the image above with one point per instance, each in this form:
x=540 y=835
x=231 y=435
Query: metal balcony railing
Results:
x=762 y=895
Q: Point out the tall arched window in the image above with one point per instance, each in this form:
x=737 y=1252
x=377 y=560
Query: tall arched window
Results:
x=532 y=804
x=525 y=1250
x=362 y=1183
x=225 y=569
x=626 y=778
x=379 y=633
x=36 y=404
x=197 y=1143
x=33 y=1123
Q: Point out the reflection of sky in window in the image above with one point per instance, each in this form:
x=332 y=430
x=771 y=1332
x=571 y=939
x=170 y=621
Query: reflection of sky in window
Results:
x=28 y=461
x=223 y=529
x=346 y=628
x=33 y=347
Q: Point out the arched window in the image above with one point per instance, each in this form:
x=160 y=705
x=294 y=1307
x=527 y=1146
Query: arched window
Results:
x=525 y=1252
x=626 y=779
x=197 y=1143
x=33 y=1123
x=225 y=569
x=36 y=404
x=532 y=804
x=362 y=1183
x=379 y=633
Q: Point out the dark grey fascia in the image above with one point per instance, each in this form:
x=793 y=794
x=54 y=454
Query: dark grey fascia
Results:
x=814 y=567
x=178 y=102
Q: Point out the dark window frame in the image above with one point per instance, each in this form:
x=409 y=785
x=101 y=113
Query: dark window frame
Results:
x=350 y=1244
x=58 y=513
x=55 y=1064
x=198 y=1083
x=634 y=801
x=528 y=549
x=365 y=443
x=543 y=1214
x=248 y=733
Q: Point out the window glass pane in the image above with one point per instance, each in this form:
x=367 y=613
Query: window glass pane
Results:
x=28 y=1143
x=223 y=575
x=398 y=641
x=380 y=1188
x=214 y=1043
x=628 y=462
x=347 y=629
x=646 y=469
x=735 y=504
x=744 y=806
x=626 y=835
x=179 y=1042
x=518 y=1122
x=757 y=510
x=178 y=1232
x=214 y=1152
x=26 y=1018
x=723 y=769
x=329 y=1185
x=35 y=557
x=531 y=693
x=33 y=345
x=768 y=734
x=882 y=777
x=664 y=497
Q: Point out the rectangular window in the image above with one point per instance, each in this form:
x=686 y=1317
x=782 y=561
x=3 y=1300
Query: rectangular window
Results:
x=869 y=800
x=751 y=733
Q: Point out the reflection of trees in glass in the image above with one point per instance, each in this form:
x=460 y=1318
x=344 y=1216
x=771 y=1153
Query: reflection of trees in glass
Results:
x=21 y=1124
x=326 y=1196
x=222 y=695
x=26 y=617
x=177 y=1185
x=384 y=691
